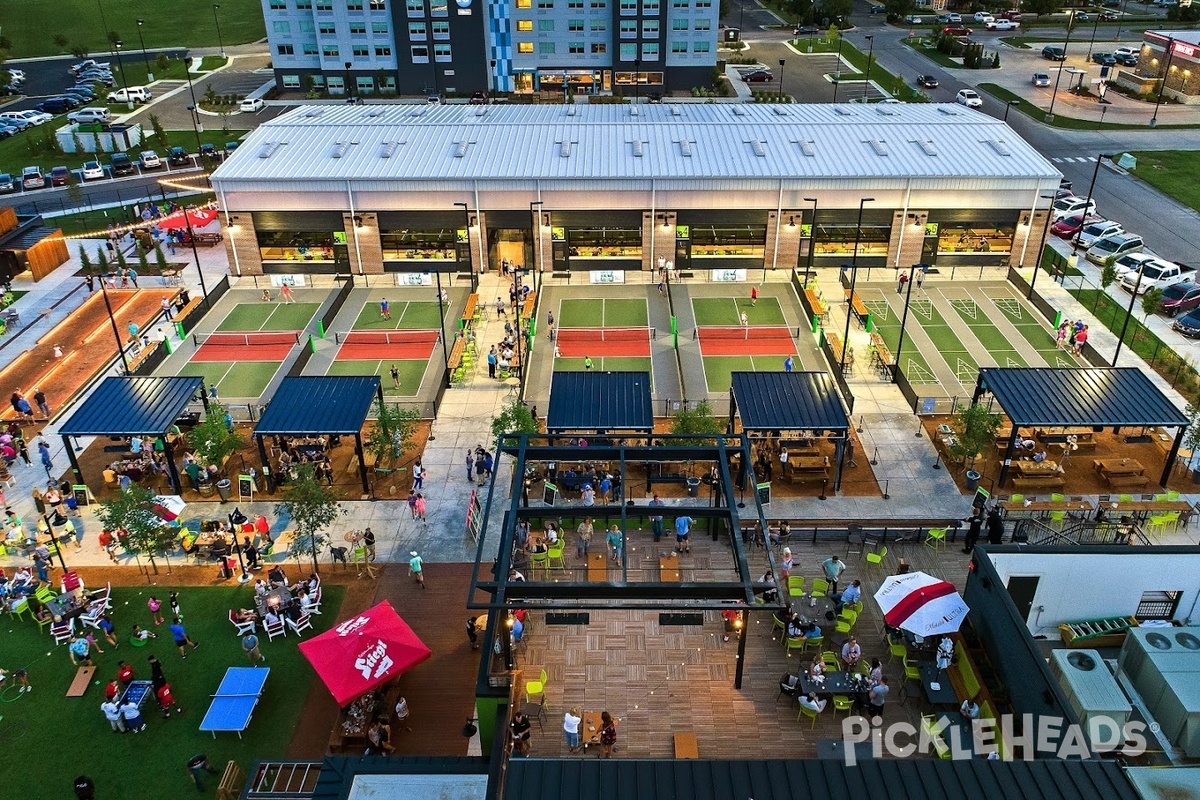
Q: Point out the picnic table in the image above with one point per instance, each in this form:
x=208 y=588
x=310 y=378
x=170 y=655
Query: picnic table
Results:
x=1118 y=466
x=936 y=683
x=861 y=312
x=816 y=303
x=1046 y=506
x=1035 y=468
x=456 y=353
x=468 y=314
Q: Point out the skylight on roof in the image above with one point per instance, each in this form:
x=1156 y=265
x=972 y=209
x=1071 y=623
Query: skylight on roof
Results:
x=268 y=149
x=388 y=149
x=639 y=148
x=460 y=148
x=927 y=145
x=685 y=148
x=759 y=147
x=808 y=147
x=999 y=146
x=879 y=146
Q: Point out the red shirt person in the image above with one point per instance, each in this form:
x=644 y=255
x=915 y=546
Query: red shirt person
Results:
x=124 y=673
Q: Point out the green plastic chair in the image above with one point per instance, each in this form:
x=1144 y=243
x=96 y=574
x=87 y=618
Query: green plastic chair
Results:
x=808 y=712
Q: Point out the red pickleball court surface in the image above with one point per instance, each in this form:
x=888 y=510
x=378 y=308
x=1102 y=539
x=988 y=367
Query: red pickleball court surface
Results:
x=384 y=345
x=738 y=340
x=580 y=342
x=272 y=346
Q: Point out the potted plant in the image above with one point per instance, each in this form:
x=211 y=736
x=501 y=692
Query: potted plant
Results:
x=974 y=429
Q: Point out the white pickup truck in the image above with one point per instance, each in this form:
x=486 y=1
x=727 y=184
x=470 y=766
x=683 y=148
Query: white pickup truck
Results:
x=1156 y=273
x=1003 y=25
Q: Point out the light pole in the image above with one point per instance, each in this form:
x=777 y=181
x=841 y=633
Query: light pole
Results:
x=1121 y=20
x=348 y=64
x=1092 y=43
x=1057 y=80
x=1008 y=106
x=1163 y=85
x=837 y=68
x=870 y=55
x=1133 y=296
x=121 y=63
x=535 y=212
x=145 y=58
x=112 y=320
x=104 y=24
x=781 y=62
x=1095 y=174
x=194 y=110
x=217 y=20
x=812 y=237
x=904 y=320
x=1042 y=244
x=853 y=280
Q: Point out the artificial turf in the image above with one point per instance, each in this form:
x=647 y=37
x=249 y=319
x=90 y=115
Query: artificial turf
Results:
x=606 y=364
x=410 y=315
x=727 y=311
x=577 y=312
x=249 y=317
x=48 y=738
x=411 y=373
x=718 y=370
x=239 y=379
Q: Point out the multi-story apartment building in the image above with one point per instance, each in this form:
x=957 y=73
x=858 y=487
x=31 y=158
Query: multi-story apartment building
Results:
x=463 y=46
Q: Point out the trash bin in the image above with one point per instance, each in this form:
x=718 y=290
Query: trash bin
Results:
x=972 y=480
x=693 y=485
x=224 y=489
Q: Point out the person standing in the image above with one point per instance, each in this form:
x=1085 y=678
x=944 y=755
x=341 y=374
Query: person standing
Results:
x=181 y=638
x=420 y=507
x=133 y=716
x=166 y=700
x=385 y=308
x=656 y=522
x=900 y=285
x=789 y=364
x=133 y=276
x=974 y=529
x=416 y=568
x=995 y=526
x=587 y=363
x=419 y=475
x=395 y=377
x=501 y=311
x=285 y=292
x=683 y=527
x=196 y=765
x=876 y=698
x=753 y=295
x=369 y=543
x=571 y=721
x=44 y=454
x=112 y=713
x=608 y=734
x=744 y=320
x=251 y=649
x=39 y=397
x=616 y=541
x=470 y=465
x=585 y=531
x=492 y=361
x=833 y=567
x=919 y=277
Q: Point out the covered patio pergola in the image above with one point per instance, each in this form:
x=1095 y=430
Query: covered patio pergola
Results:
x=1096 y=397
x=600 y=403
x=135 y=406
x=770 y=402
x=320 y=405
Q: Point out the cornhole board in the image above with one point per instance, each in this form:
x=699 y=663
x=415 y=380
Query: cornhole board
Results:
x=83 y=679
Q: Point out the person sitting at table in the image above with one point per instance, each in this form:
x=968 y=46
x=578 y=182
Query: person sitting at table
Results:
x=851 y=653
x=969 y=709
x=816 y=669
x=246 y=615
x=379 y=735
x=770 y=591
x=552 y=533
x=292 y=610
x=851 y=594
x=1039 y=456
x=277 y=577
x=261 y=588
x=305 y=601
x=782 y=534
x=812 y=703
x=271 y=618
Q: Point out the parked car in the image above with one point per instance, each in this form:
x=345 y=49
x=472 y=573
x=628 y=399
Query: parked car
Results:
x=82 y=96
x=758 y=76
x=130 y=94
x=1111 y=246
x=7 y=184
x=1067 y=227
x=1126 y=59
x=1132 y=262
x=209 y=151
x=1158 y=273
x=149 y=160
x=1108 y=16
x=32 y=178
x=1040 y=79
x=252 y=106
x=969 y=98
x=956 y=30
x=1104 y=59
x=96 y=77
x=15 y=75
x=121 y=164
x=1003 y=25
x=178 y=157
x=1089 y=233
x=89 y=115
x=878 y=9
x=1083 y=16
x=955 y=18
x=30 y=116
x=56 y=105
x=983 y=16
x=1015 y=16
x=1069 y=206
x=913 y=19
x=1189 y=326
x=17 y=123
x=1052 y=53
x=1126 y=51
x=927 y=82
x=60 y=176
x=8 y=130
x=87 y=64
x=231 y=146
x=1179 y=298
x=806 y=30
x=92 y=171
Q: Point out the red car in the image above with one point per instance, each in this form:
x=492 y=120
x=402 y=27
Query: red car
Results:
x=1179 y=299
x=1067 y=227
x=758 y=76
x=956 y=30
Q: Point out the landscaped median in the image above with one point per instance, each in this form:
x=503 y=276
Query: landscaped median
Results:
x=893 y=85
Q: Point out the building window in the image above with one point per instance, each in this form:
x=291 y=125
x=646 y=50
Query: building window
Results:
x=546 y=25
x=837 y=239
x=629 y=51
x=358 y=29
x=317 y=80
x=387 y=84
x=281 y=27
x=679 y=24
x=379 y=28
x=304 y=5
x=629 y=28
x=441 y=29
x=575 y=48
x=599 y=4
x=524 y=3
x=575 y=25
x=743 y=241
x=279 y=5
x=336 y=85
x=365 y=85
x=285 y=50
x=441 y=52
x=310 y=48
x=678 y=47
x=438 y=8
x=586 y=244
x=354 y=5
x=974 y=238
x=649 y=51
x=416 y=8
x=545 y=48
x=700 y=47
x=360 y=51
x=378 y=5
x=703 y=3
x=327 y=29
x=649 y=6
x=545 y=4
x=679 y=3
x=629 y=6
x=575 y=4
x=703 y=25
x=649 y=29
x=309 y=246
x=416 y=31
x=307 y=26
x=598 y=24
x=324 y=5
x=525 y=25
x=599 y=48
x=383 y=52
x=525 y=47
x=420 y=54
x=434 y=244
x=330 y=51
x=291 y=81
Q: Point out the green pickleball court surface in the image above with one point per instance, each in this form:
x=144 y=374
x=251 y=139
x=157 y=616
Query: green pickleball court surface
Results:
x=405 y=316
x=718 y=370
x=411 y=373
x=727 y=311
x=239 y=379
x=578 y=312
x=605 y=364
x=250 y=317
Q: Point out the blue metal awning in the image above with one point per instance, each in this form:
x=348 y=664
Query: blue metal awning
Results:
x=133 y=406
x=313 y=405
x=1103 y=397
x=600 y=402
x=788 y=401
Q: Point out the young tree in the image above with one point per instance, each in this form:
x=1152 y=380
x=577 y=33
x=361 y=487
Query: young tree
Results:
x=160 y=135
x=974 y=431
x=212 y=440
x=514 y=418
x=311 y=507
x=1108 y=276
x=1151 y=300
x=160 y=260
x=394 y=429
x=696 y=421
x=161 y=65
x=121 y=263
x=143 y=261
x=132 y=511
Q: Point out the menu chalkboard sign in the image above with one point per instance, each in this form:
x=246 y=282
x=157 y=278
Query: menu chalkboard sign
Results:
x=82 y=495
x=245 y=487
x=764 y=493
x=549 y=490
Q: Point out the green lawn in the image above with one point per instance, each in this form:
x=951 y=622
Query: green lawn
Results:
x=411 y=373
x=1175 y=173
x=31 y=25
x=58 y=737
x=209 y=63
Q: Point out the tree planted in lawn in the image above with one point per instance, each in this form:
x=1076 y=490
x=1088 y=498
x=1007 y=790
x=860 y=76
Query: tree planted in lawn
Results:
x=1151 y=300
x=311 y=507
x=132 y=511
x=696 y=421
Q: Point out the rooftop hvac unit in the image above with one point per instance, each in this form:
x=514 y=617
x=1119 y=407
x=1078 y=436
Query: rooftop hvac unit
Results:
x=1092 y=691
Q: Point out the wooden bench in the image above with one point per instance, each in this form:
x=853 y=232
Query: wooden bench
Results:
x=203 y=239
x=468 y=314
x=1039 y=482
x=835 y=344
x=858 y=307
x=527 y=311
x=686 y=746
x=818 y=305
x=1117 y=482
x=143 y=355
x=456 y=354
x=83 y=679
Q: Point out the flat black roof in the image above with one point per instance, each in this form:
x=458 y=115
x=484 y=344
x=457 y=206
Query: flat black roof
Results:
x=912 y=779
x=313 y=405
x=1106 y=397
x=774 y=401
x=133 y=406
x=600 y=401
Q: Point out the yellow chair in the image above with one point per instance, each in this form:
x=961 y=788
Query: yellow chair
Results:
x=876 y=559
x=555 y=554
x=794 y=643
x=911 y=671
x=831 y=661
x=1125 y=498
x=19 y=608
x=936 y=538
x=842 y=703
x=820 y=587
x=44 y=594
x=856 y=607
x=778 y=625
x=814 y=642
x=846 y=623
x=1172 y=494
x=539 y=560
x=1056 y=497
x=537 y=687
x=1017 y=498
x=795 y=585
x=1058 y=520
x=897 y=649
x=808 y=712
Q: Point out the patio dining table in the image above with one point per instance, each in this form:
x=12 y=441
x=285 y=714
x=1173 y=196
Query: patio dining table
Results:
x=1119 y=466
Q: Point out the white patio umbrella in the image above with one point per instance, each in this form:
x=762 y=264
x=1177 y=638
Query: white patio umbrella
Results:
x=169 y=506
x=921 y=603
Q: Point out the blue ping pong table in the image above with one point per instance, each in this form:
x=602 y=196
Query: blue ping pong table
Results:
x=235 y=700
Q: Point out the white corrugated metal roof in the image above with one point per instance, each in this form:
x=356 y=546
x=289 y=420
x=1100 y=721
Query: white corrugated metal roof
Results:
x=502 y=142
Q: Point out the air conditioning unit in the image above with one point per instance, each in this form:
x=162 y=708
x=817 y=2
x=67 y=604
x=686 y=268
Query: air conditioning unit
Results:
x=1092 y=691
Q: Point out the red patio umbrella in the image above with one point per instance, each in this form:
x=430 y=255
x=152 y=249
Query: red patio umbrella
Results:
x=363 y=652
x=198 y=216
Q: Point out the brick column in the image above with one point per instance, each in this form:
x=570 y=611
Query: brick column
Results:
x=663 y=237
x=908 y=250
x=1031 y=234
x=362 y=241
x=241 y=243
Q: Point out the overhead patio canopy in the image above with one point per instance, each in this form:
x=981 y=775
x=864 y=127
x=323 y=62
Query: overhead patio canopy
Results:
x=1100 y=397
x=134 y=406
x=319 y=405
x=600 y=402
x=790 y=401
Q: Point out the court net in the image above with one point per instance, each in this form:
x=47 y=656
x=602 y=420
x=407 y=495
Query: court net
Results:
x=746 y=332
x=417 y=336
x=587 y=335
x=247 y=339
